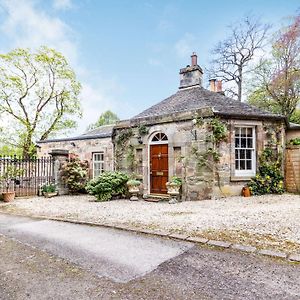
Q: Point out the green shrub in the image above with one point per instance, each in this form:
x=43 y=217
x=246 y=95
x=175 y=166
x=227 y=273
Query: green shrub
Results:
x=49 y=188
x=269 y=179
x=108 y=185
x=75 y=175
x=133 y=182
x=177 y=180
x=295 y=141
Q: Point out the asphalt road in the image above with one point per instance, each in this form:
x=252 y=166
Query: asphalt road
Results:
x=56 y=260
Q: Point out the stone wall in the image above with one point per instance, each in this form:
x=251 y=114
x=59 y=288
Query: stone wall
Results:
x=83 y=148
x=185 y=140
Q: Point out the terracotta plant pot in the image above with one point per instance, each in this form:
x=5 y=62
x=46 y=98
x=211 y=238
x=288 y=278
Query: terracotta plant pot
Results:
x=246 y=191
x=8 y=196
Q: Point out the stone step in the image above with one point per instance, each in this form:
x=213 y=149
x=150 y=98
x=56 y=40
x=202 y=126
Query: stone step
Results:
x=156 y=198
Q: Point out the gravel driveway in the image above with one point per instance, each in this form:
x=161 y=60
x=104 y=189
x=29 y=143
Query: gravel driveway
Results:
x=271 y=221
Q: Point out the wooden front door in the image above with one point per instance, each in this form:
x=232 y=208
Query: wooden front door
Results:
x=159 y=169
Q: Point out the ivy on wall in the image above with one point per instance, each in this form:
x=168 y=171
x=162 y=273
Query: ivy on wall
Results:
x=121 y=145
x=217 y=132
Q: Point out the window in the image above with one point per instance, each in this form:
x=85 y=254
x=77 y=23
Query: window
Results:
x=98 y=164
x=160 y=138
x=245 y=155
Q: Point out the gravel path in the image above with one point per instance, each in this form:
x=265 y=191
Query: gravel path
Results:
x=272 y=221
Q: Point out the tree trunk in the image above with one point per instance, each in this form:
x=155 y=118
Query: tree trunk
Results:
x=26 y=151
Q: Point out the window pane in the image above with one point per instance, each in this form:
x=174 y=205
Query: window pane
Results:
x=237 y=131
x=237 y=143
x=242 y=165
x=248 y=154
x=250 y=142
x=242 y=154
x=236 y=154
x=249 y=132
x=249 y=165
x=243 y=143
x=237 y=165
x=243 y=132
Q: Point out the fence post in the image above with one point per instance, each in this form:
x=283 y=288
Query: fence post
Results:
x=59 y=156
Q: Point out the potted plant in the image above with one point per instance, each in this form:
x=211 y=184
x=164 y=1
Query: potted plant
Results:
x=49 y=190
x=173 y=187
x=8 y=177
x=133 y=188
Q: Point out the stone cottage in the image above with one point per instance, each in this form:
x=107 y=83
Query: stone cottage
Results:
x=179 y=137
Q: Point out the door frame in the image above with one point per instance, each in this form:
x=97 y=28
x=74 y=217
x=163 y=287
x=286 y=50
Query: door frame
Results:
x=149 y=155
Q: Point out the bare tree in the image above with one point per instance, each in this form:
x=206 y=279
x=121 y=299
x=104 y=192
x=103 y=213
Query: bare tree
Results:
x=232 y=55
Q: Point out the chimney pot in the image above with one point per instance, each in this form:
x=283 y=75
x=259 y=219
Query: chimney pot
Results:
x=212 y=84
x=194 y=59
x=219 y=86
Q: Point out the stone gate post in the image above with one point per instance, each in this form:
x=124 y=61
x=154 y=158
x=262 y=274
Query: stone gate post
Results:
x=59 y=156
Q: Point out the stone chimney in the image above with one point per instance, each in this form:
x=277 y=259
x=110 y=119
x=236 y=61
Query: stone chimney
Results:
x=219 y=86
x=212 y=84
x=191 y=75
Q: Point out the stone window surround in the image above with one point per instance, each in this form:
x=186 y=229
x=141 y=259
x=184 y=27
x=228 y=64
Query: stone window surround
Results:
x=257 y=125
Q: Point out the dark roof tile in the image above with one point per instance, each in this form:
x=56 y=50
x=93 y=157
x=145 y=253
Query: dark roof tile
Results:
x=197 y=98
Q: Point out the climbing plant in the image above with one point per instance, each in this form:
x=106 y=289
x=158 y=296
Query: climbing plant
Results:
x=130 y=158
x=217 y=133
x=269 y=179
x=122 y=140
x=143 y=130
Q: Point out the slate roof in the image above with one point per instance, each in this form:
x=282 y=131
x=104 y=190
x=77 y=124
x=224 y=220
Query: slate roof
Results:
x=194 y=98
x=100 y=132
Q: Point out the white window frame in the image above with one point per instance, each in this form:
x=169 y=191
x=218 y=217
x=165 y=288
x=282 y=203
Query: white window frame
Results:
x=100 y=162
x=252 y=172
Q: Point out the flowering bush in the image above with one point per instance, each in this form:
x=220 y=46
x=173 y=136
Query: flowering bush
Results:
x=269 y=179
x=75 y=175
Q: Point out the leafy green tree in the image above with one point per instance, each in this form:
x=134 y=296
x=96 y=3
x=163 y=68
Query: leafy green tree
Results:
x=278 y=76
x=295 y=117
x=105 y=118
x=38 y=96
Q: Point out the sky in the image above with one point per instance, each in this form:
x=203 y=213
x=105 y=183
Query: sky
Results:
x=127 y=54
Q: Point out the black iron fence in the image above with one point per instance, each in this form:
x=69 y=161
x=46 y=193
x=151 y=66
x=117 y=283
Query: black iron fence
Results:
x=29 y=174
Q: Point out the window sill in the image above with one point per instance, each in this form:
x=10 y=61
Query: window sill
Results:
x=241 y=178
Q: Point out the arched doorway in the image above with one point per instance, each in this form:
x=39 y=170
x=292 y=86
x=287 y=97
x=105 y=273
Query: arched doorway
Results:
x=159 y=167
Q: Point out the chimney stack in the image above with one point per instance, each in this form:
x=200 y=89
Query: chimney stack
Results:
x=212 y=84
x=194 y=59
x=191 y=76
x=219 y=86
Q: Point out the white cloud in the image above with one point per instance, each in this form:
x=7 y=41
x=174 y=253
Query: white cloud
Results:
x=62 y=4
x=27 y=25
x=186 y=45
